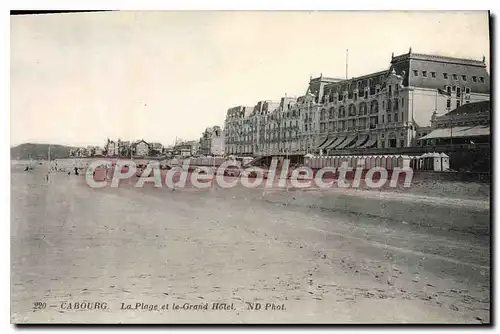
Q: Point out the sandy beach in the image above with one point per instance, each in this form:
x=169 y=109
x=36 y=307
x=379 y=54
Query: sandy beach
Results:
x=305 y=256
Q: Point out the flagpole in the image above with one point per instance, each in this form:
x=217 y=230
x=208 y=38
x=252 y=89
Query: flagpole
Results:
x=346 y=62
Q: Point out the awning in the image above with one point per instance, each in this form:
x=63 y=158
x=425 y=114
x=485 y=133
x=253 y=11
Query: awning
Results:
x=361 y=140
x=336 y=142
x=323 y=142
x=371 y=141
x=459 y=132
x=328 y=141
x=347 y=142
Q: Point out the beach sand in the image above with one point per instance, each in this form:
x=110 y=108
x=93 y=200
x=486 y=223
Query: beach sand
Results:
x=324 y=256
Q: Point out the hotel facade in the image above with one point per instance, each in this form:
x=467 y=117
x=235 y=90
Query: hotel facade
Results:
x=386 y=109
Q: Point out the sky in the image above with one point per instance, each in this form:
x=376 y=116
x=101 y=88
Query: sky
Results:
x=79 y=78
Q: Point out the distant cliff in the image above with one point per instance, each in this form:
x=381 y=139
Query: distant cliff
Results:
x=39 y=151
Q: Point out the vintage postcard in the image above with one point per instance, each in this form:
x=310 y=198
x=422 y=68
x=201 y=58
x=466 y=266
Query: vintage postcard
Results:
x=250 y=167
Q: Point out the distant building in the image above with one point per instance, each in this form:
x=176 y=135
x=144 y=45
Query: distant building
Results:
x=156 y=147
x=140 y=148
x=124 y=148
x=190 y=148
x=112 y=148
x=98 y=151
x=467 y=124
x=81 y=152
x=212 y=141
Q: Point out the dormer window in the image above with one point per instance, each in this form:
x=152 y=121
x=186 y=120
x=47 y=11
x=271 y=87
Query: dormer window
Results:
x=464 y=77
x=481 y=79
x=474 y=78
x=415 y=73
x=433 y=74
x=424 y=73
x=454 y=76
x=445 y=75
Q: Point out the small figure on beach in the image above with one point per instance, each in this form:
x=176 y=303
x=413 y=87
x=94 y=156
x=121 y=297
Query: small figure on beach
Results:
x=76 y=171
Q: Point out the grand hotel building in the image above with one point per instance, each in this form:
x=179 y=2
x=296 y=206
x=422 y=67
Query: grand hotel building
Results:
x=390 y=108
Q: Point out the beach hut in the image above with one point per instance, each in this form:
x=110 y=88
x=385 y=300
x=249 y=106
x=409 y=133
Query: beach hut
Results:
x=334 y=161
x=390 y=162
x=307 y=159
x=321 y=161
x=424 y=162
x=403 y=161
x=445 y=162
x=354 y=161
x=328 y=160
x=344 y=161
x=383 y=161
x=414 y=162
x=360 y=162
x=313 y=162
x=368 y=159
x=378 y=161
x=436 y=161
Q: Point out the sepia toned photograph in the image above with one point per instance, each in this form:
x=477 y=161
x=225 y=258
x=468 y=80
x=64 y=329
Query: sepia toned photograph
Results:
x=250 y=167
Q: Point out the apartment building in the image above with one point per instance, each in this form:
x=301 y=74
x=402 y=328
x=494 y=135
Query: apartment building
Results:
x=212 y=141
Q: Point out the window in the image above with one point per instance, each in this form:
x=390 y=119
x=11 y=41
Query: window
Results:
x=424 y=73
x=395 y=117
x=448 y=90
x=481 y=79
x=355 y=96
x=458 y=103
x=445 y=75
x=402 y=143
x=433 y=74
x=474 y=78
x=388 y=118
x=382 y=135
x=402 y=101
x=383 y=144
x=415 y=73
x=454 y=88
x=454 y=76
x=448 y=104
x=464 y=77
x=459 y=91
x=366 y=94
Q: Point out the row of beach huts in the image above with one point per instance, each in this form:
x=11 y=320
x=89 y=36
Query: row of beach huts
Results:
x=426 y=162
